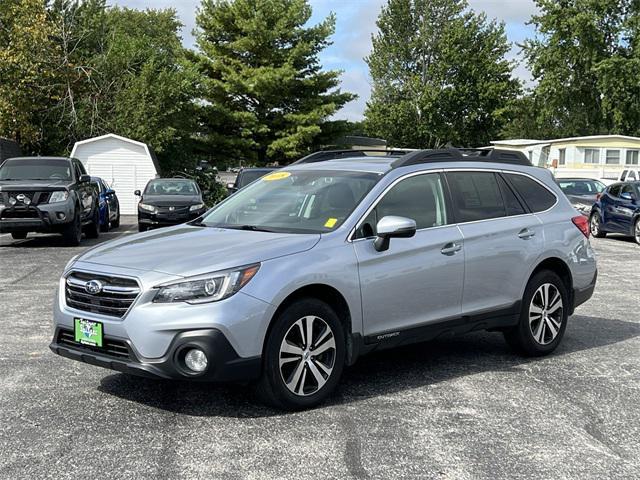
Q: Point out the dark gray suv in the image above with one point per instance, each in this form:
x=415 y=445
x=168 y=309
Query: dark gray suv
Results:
x=48 y=194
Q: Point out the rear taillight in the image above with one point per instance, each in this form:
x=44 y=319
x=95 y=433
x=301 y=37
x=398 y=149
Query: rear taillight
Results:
x=582 y=223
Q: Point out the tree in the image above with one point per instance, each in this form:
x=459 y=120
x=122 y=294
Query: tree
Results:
x=264 y=94
x=27 y=75
x=585 y=60
x=439 y=75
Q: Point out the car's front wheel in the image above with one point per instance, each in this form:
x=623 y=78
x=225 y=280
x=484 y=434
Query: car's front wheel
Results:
x=636 y=231
x=72 y=232
x=595 y=223
x=543 y=318
x=19 y=235
x=93 y=229
x=104 y=226
x=303 y=356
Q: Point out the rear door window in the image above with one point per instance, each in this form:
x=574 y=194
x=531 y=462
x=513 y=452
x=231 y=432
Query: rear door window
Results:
x=537 y=197
x=476 y=196
x=614 y=190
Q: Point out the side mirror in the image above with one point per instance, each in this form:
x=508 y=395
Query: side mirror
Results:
x=84 y=178
x=393 y=227
x=110 y=191
x=627 y=196
x=137 y=193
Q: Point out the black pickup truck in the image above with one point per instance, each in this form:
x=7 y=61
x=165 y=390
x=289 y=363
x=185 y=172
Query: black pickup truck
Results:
x=48 y=194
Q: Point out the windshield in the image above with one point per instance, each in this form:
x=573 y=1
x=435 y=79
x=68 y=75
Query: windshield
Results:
x=248 y=176
x=171 y=187
x=36 y=169
x=581 y=187
x=293 y=202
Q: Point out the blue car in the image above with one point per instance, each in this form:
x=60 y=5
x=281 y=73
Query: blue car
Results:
x=617 y=210
x=108 y=206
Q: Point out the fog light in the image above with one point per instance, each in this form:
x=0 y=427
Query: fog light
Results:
x=61 y=216
x=196 y=360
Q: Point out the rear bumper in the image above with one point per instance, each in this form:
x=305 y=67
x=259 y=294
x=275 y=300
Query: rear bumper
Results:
x=581 y=295
x=224 y=364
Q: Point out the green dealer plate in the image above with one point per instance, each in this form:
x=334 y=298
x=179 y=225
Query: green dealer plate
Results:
x=88 y=332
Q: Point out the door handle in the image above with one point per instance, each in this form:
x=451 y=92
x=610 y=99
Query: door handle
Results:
x=451 y=248
x=525 y=233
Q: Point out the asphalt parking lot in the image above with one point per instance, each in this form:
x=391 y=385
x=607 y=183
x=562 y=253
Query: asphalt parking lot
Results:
x=464 y=408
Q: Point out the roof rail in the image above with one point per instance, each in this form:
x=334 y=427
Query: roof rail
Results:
x=463 y=155
x=324 y=155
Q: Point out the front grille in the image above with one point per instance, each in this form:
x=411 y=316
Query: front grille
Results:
x=110 y=347
x=114 y=299
x=36 y=198
x=177 y=210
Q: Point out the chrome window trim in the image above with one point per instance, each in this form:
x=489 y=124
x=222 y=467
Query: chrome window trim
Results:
x=352 y=232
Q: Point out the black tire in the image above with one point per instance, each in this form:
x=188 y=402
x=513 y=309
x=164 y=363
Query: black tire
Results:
x=104 y=227
x=522 y=337
x=272 y=387
x=595 y=225
x=116 y=222
x=142 y=228
x=636 y=230
x=19 y=235
x=93 y=229
x=72 y=232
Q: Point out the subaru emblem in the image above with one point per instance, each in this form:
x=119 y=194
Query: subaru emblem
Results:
x=93 y=287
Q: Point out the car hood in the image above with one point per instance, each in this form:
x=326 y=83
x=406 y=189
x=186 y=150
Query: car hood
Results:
x=32 y=185
x=171 y=200
x=186 y=250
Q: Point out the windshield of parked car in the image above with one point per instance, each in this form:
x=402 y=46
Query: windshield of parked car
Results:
x=293 y=202
x=171 y=187
x=581 y=187
x=248 y=176
x=36 y=169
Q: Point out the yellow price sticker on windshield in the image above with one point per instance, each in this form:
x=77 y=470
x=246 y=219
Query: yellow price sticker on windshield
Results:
x=276 y=176
x=331 y=222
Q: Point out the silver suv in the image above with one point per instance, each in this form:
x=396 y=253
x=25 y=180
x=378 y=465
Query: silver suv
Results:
x=302 y=272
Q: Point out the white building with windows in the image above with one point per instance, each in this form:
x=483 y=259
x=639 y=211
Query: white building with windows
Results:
x=124 y=164
x=596 y=156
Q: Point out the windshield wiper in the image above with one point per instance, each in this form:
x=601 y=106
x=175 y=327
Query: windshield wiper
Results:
x=252 y=228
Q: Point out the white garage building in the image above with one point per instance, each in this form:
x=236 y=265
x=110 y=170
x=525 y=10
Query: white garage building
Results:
x=125 y=164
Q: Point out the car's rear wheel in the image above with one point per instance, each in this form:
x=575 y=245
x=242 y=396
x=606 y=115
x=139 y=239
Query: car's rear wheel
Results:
x=104 y=226
x=543 y=318
x=93 y=229
x=303 y=356
x=19 y=235
x=636 y=231
x=72 y=232
x=595 y=224
x=116 y=222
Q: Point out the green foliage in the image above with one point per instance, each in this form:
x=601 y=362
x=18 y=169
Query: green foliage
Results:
x=265 y=94
x=586 y=62
x=439 y=75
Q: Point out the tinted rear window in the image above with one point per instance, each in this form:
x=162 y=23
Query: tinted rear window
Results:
x=537 y=197
x=476 y=196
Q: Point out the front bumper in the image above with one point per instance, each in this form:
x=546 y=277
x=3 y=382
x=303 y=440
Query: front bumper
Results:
x=224 y=363
x=151 y=220
x=43 y=218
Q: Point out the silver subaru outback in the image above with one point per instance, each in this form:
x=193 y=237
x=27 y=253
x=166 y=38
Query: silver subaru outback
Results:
x=300 y=273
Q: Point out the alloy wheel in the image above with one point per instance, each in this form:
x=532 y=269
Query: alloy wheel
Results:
x=546 y=313
x=307 y=355
x=595 y=224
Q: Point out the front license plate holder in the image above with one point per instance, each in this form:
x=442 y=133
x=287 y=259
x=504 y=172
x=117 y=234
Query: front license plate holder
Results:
x=88 y=332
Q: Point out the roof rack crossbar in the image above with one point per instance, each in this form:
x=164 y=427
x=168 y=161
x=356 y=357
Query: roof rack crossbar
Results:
x=324 y=155
x=462 y=154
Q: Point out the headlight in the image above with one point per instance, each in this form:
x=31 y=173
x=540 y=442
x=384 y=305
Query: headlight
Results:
x=582 y=207
x=148 y=208
x=59 y=196
x=195 y=207
x=210 y=287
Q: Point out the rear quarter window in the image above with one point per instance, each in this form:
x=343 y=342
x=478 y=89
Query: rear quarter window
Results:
x=537 y=197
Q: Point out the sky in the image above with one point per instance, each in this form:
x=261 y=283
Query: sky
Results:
x=355 y=23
